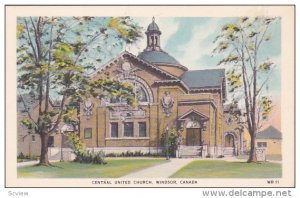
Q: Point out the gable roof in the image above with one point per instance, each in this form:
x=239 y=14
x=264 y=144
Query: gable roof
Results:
x=209 y=78
x=192 y=111
x=269 y=133
x=128 y=54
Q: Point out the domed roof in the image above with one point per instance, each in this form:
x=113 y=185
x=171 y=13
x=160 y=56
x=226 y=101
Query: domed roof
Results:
x=158 y=57
x=153 y=27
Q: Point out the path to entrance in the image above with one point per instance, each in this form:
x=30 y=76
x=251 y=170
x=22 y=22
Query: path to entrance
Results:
x=161 y=171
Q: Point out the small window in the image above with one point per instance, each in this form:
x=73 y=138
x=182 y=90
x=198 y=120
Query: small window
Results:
x=87 y=133
x=142 y=129
x=114 y=129
x=33 y=138
x=128 y=129
x=261 y=144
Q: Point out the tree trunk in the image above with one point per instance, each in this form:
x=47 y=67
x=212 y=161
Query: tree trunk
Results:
x=44 y=150
x=252 y=155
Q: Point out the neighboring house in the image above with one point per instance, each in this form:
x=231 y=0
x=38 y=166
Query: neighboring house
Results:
x=169 y=95
x=270 y=139
x=29 y=143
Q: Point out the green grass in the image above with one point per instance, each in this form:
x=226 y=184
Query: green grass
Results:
x=113 y=169
x=223 y=169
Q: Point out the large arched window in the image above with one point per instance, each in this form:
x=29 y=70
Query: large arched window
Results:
x=142 y=90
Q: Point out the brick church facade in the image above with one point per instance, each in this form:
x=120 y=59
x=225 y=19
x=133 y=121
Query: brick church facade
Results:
x=169 y=97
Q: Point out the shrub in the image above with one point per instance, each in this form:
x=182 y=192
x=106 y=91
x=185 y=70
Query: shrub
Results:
x=133 y=154
x=83 y=156
x=90 y=157
x=23 y=157
x=172 y=142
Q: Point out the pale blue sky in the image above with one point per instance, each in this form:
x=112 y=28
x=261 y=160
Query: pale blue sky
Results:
x=190 y=41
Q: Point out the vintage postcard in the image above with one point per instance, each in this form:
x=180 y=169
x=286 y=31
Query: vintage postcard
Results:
x=150 y=96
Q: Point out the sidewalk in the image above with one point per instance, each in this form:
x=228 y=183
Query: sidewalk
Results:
x=161 y=171
x=234 y=159
x=21 y=164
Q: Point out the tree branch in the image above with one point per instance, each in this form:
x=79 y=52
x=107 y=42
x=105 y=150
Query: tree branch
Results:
x=26 y=109
x=30 y=42
x=85 y=47
x=48 y=74
x=56 y=123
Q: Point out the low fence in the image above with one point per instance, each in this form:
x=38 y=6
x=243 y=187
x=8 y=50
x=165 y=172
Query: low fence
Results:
x=56 y=153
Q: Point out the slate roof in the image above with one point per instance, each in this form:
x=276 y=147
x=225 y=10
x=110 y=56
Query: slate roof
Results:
x=209 y=78
x=269 y=133
x=158 y=57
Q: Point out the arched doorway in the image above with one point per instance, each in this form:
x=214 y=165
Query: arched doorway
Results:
x=229 y=144
x=193 y=133
x=229 y=140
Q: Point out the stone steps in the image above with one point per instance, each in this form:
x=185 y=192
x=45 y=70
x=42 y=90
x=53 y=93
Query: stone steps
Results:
x=189 y=151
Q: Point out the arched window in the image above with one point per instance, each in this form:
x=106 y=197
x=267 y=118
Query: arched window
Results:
x=141 y=94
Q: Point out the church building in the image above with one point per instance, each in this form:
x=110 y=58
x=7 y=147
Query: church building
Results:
x=170 y=97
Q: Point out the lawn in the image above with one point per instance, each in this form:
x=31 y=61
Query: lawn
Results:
x=113 y=169
x=223 y=169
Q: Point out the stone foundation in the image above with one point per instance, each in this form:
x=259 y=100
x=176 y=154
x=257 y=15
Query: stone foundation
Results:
x=119 y=150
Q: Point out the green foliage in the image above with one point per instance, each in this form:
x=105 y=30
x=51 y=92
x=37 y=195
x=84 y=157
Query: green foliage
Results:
x=22 y=157
x=90 y=157
x=266 y=66
x=234 y=80
x=266 y=104
x=133 y=154
x=113 y=88
x=27 y=123
x=126 y=28
x=172 y=142
x=83 y=156
x=229 y=59
x=56 y=54
x=76 y=143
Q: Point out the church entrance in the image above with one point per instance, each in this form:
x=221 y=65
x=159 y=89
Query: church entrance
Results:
x=193 y=137
x=229 y=144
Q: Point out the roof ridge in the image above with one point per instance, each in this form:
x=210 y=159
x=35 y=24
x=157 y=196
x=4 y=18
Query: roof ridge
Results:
x=205 y=69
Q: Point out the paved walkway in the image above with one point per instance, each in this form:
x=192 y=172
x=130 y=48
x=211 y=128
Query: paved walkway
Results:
x=234 y=159
x=20 y=164
x=161 y=171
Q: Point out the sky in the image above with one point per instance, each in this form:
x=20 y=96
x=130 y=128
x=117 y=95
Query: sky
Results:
x=190 y=41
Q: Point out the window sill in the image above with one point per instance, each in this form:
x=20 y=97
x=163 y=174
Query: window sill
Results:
x=127 y=138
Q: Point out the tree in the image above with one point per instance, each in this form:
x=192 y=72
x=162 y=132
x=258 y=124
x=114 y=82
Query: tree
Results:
x=248 y=71
x=55 y=54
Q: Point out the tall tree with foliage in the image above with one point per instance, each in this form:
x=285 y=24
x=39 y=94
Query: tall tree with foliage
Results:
x=55 y=55
x=248 y=71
